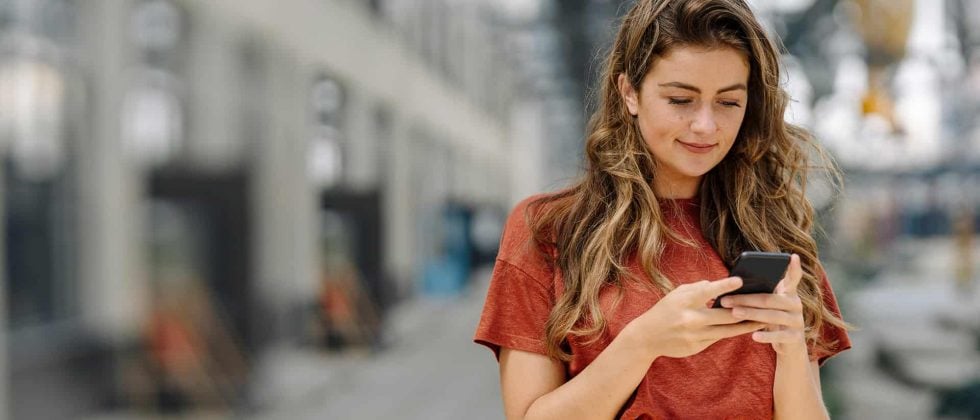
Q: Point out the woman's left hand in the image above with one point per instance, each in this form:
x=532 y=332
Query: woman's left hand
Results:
x=781 y=309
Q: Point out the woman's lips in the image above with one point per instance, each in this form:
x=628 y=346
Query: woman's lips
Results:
x=697 y=148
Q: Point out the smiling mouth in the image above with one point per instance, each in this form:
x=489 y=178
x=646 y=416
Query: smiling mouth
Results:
x=697 y=147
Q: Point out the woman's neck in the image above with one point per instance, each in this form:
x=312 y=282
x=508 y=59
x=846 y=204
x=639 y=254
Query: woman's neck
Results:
x=674 y=188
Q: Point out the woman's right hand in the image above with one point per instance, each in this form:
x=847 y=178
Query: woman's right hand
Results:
x=681 y=324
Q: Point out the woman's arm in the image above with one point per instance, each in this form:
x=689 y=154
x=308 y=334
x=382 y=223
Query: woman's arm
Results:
x=533 y=386
x=796 y=391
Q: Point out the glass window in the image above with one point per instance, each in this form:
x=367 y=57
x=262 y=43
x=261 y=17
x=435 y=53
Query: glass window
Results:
x=327 y=153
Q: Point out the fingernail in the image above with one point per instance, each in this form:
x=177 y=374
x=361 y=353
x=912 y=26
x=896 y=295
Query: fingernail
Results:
x=726 y=302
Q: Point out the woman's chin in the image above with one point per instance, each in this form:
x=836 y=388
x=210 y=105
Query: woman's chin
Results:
x=694 y=171
x=686 y=169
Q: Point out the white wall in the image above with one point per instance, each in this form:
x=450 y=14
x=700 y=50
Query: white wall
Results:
x=113 y=284
x=377 y=67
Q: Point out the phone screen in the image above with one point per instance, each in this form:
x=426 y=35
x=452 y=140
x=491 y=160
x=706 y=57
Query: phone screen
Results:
x=760 y=272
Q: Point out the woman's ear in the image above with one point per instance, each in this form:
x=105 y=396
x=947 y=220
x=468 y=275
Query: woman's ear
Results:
x=629 y=94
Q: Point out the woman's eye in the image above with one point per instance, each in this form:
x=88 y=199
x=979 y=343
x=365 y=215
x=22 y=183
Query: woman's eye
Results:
x=730 y=104
x=679 y=101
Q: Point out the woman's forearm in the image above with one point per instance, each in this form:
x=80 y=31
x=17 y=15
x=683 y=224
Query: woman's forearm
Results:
x=602 y=388
x=796 y=392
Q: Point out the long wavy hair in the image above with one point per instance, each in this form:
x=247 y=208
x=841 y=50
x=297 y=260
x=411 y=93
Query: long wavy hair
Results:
x=752 y=200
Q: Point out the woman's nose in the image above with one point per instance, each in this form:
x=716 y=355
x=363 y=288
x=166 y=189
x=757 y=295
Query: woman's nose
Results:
x=704 y=121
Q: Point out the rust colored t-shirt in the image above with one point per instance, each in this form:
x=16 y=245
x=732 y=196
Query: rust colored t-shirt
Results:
x=732 y=378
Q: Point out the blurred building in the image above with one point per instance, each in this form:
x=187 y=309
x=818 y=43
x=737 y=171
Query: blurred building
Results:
x=186 y=183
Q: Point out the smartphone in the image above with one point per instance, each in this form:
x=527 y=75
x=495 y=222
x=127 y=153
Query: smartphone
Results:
x=760 y=272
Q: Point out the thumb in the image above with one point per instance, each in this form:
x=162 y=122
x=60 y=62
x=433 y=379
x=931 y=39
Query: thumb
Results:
x=711 y=289
x=793 y=276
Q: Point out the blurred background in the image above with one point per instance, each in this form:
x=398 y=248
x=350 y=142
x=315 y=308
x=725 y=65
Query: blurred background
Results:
x=289 y=209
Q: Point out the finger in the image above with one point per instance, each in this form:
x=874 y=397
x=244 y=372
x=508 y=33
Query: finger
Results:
x=711 y=289
x=789 y=303
x=718 y=332
x=793 y=275
x=779 y=336
x=768 y=316
x=719 y=316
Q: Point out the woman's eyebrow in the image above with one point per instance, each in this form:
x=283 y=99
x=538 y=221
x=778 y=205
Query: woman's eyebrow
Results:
x=686 y=86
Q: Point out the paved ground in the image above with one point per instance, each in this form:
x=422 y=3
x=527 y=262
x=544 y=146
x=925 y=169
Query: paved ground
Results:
x=432 y=370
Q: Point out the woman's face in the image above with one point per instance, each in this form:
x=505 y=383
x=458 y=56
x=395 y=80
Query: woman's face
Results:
x=689 y=109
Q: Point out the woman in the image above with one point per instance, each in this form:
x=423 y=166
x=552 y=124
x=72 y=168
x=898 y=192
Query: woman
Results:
x=599 y=305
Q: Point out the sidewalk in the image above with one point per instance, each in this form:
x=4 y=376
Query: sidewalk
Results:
x=432 y=370
x=916 y=313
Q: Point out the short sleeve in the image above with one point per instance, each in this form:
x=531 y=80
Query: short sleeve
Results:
x=521 y=293
x=515 y=313
x=835 y=338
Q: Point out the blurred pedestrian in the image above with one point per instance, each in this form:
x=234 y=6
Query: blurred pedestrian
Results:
x=600 y=301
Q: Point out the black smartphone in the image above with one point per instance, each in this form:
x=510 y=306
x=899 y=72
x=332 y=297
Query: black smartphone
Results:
x=760 y=272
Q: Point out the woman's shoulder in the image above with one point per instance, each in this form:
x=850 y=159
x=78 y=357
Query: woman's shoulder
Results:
x=518 y=245
x=518 y=230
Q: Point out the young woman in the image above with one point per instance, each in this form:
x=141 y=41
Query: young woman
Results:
x=600 y=301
